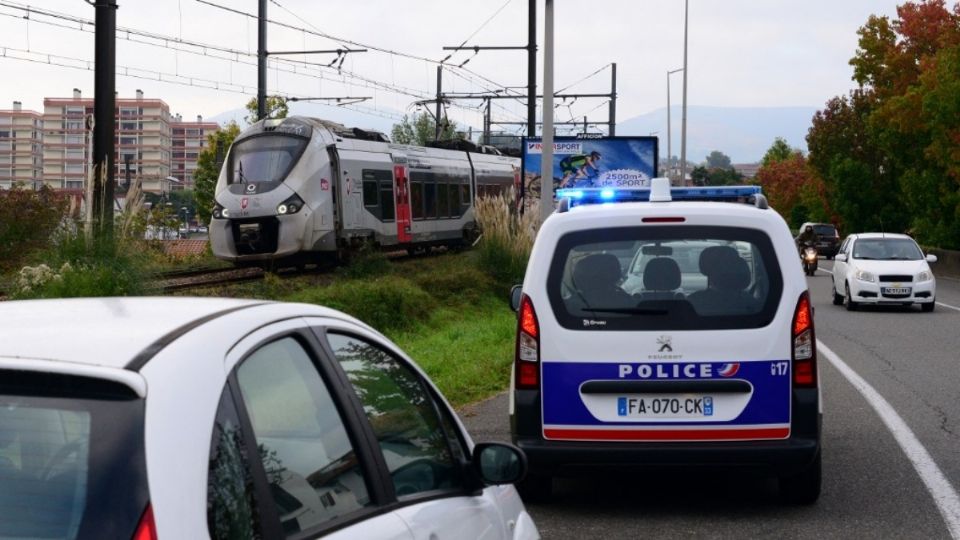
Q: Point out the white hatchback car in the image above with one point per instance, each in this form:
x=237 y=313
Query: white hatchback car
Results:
x=700 y=352
x=207 y=418
x=883 y=268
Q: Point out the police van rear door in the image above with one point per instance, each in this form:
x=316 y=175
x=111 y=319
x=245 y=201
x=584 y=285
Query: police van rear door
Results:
x=665 y=332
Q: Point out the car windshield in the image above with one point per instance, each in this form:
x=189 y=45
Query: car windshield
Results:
x=887 y=249
x=665 y=278
x=265 y=158
x=71 y=466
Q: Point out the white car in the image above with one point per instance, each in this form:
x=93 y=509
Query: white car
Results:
x=209 y=418
x=700 y=352
x=883 y=269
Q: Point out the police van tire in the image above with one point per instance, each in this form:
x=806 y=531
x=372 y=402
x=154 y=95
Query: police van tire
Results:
x=535 y=488
x=804 y=487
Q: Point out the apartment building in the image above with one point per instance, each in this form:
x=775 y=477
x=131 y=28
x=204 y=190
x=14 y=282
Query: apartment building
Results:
x=143 y=141
x=21 y=147
x=189 y=139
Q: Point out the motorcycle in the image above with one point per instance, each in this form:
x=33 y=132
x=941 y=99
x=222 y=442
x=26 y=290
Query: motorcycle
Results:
x=810 y=259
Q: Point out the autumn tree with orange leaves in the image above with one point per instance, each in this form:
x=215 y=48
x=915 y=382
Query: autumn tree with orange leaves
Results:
x=889 y=152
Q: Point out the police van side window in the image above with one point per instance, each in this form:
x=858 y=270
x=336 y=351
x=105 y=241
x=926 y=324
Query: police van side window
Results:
x=665 y=278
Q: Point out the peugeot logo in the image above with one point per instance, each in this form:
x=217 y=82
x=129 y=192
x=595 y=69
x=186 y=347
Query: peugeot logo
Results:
x=665 y=343
x=251 y=188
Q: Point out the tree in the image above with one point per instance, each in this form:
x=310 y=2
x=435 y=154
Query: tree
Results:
x=718 y=160
x=702 y=176
x=421 y=129
x=276 y=108
x=778 y=151
x=792 y=188
x=209 y=163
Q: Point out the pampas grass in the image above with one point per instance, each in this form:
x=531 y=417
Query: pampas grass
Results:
x=507 y=236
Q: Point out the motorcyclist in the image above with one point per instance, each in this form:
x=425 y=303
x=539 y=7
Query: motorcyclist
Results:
x=806 y=237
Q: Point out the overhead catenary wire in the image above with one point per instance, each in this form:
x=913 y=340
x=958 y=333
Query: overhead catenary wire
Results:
x=477 y=31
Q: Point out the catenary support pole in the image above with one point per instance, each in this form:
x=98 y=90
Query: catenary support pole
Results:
x=532 y=69
x=104 y=110
x=546 y=166
x=436 y=117
x=262 y=61
x=613 y=99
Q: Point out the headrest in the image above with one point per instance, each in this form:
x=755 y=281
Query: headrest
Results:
x=598 y=270
x=725 y=268
x=661 y=274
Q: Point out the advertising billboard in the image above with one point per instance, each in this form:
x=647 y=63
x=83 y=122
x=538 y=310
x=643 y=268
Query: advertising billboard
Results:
x=584 y=162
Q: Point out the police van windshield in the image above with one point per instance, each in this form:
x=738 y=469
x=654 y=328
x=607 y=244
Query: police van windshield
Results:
x=264 y=158
x=663 y=278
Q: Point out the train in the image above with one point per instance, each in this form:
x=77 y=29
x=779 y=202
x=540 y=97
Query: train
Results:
x=300 y=190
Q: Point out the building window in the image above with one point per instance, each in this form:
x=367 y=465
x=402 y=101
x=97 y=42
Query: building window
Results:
x=124 y=141
x=128 y=126
x=74 y=139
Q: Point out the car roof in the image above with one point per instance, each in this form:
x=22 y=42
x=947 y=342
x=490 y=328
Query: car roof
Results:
x=106 y=332
x=879 y=235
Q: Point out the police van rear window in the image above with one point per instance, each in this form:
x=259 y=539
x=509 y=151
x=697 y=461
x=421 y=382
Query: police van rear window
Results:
x=665 y=278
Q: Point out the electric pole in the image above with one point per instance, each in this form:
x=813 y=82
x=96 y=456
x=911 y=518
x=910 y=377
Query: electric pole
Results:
x=613 y=99
x=683 y=139
x=436 y=136
x=532 y=69
x=104 y=110
x=546 y=163
x=262 y=61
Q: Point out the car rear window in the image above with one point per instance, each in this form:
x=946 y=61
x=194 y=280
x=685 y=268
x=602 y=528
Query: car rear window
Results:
x=665 y=278
x=71 y=458
x=825 y=230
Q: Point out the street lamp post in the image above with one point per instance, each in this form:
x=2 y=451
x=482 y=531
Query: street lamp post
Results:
x=683 y=139
x=186 y=223
x=670 y=125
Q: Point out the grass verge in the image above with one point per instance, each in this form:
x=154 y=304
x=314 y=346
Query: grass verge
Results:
x=450 y=316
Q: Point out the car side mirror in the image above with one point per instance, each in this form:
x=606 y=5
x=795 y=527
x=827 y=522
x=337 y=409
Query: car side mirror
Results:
x=499 y=463
x=840 y=257
x=931 y=258
x=515 y=293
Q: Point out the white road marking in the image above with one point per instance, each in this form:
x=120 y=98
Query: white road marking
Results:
x=937 y=484
x=948 y=306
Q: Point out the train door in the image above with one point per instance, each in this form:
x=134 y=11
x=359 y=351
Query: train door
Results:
x=402 y=194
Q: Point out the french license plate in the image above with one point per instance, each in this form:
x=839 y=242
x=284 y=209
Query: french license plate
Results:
x=896 y=290
x=665 y=407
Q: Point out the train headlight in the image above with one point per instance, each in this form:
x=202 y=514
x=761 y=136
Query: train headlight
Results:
x=220 y=212
x=290 y=206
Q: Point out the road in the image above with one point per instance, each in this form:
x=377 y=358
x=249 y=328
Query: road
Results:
x=871 y=487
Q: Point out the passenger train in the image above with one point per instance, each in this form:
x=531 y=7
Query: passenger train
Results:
x=301 y=189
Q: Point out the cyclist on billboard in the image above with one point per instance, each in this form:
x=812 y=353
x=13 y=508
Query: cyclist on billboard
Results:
x=575 y=166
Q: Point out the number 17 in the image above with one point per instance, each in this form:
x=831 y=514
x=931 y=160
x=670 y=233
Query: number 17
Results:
x=779 y=368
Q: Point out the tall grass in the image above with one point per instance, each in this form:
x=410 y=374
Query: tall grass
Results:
x=507 y=236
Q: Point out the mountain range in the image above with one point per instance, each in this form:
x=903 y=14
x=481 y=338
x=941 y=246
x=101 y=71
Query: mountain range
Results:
x=743 y=133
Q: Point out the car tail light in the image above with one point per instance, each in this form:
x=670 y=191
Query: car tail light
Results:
x=528 y=346
x=804 y=345
x=146 y=529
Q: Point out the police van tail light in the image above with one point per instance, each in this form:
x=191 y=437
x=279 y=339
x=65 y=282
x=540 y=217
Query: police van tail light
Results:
x=528 y=346
x=804 y=345
x=147 y=528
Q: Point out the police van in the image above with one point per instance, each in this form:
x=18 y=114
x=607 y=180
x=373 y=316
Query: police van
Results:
x=666 y=326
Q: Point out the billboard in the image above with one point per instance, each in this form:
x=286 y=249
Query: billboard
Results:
x=599 y=162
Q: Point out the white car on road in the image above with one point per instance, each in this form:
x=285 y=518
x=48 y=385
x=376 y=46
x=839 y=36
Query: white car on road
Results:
x=883 y=268
x=209 y=418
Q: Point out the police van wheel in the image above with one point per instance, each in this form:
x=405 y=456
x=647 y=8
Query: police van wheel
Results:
x=804 y=487
x=536 y=488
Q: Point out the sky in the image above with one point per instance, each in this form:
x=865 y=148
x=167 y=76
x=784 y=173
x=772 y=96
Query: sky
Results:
x=742 y=53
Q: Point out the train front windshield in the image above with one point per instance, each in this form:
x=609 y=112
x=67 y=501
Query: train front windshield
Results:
x=265 y=158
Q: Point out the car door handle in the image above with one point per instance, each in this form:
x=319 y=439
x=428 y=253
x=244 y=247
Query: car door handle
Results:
x=718 y=386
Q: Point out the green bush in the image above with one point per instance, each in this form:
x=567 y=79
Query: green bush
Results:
x=368 y=262
x=28 y=219
x=72 y=267
x=387 y=303
x=456 y=283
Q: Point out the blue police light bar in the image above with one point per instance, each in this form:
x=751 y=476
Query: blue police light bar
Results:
x=596 y=195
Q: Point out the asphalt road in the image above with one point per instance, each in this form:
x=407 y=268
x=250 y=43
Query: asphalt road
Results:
x=871 y=488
